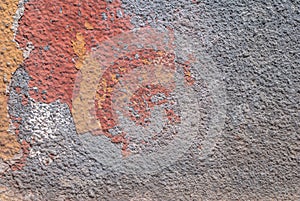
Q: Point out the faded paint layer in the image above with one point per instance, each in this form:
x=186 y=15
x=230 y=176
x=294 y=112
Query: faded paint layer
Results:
x=10 y=58
x=140 y=93
x=64 y=33
x=131 y=73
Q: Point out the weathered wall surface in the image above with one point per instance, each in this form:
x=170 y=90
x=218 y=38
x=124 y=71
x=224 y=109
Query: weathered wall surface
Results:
x=158 y=100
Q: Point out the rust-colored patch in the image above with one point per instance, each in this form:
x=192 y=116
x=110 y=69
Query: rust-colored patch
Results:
x=10 y=58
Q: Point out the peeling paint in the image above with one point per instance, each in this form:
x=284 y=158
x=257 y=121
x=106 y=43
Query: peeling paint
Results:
x=72 y=29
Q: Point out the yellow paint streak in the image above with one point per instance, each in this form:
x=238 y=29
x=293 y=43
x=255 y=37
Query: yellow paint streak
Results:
x=88 y=26
x=83 y=103
x=114 y=78
x=79 y=49
x=163 y=74
x=146 y=61
x=160 y=53
x=10 y=58
x=101 y=98
x=122 y=68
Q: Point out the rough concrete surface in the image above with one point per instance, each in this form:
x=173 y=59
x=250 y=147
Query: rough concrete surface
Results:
x=149 y=100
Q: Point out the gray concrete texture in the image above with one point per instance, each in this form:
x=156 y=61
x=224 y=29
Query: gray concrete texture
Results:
x=251 y=49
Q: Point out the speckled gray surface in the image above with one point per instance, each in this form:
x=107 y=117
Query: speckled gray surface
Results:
x=254 y=46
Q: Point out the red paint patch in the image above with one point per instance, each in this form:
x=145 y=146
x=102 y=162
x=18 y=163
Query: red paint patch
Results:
x=51 y=26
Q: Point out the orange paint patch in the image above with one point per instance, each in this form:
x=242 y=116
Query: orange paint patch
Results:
x=10 y=58
x=88 y=26
x=79 y=49
x=9 y=146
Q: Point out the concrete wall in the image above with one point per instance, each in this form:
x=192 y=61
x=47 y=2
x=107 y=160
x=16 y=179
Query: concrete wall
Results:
x=149 y=100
